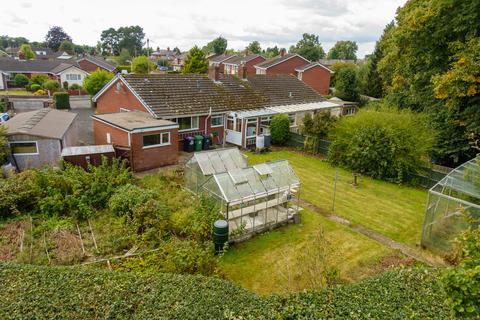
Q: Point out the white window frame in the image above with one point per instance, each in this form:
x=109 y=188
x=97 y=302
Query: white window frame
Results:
x=217 y=116
x=294 y=124
x=191 y=121
x=250 y=121
x=161 y=144
x=109 y=138
x=24 y=154
x=124 y=109
x=73 y=77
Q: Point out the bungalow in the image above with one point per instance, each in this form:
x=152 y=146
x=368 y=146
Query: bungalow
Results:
x=91 y=63
x=233 y=65
x=36 y=138
x=218 y=61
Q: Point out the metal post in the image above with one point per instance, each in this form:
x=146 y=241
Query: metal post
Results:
x=334 y=190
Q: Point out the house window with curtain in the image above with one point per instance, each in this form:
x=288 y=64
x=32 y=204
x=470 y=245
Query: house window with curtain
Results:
x=187 y=123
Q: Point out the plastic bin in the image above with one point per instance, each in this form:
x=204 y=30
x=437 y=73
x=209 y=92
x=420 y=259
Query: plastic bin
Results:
x=188 y=144
x=198 y=143
x=207 y=142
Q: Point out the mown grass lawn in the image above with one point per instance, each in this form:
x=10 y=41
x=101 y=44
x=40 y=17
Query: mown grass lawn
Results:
x=262 y=264
x=394 y=210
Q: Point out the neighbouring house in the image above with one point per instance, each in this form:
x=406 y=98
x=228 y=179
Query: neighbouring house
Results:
x=178 y=62
x=91 y=63
x=62 y=71
x=149 y=142
x=218 y=61
x=316 y=76
x=285 y=63
x=3 y=80
x=347 y=108
x=163 y=54
x=36 y=138
x=330 y=62
x=233 y=66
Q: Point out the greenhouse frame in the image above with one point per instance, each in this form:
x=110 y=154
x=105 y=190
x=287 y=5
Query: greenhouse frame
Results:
x=453 y=205
x=252 y=199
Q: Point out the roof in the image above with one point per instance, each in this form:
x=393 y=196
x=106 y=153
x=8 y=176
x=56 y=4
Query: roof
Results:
x=278 y=59
x=47 y=123
x=238 y=60
x=219 y=160
x=331 y=62
x=220 y=58
x=172 y=95
x=41 y=66
x=134 y=121
x=291 y=108
x=312 y=65
x=85 y=150
x=102 y=63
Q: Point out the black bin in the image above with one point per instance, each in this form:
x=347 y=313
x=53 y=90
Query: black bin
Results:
x=207 y=142
x=188 y=144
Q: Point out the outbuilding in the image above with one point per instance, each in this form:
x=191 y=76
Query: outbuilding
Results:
x=84 y=156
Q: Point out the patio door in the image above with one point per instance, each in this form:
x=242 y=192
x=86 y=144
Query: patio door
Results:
x=233 y=130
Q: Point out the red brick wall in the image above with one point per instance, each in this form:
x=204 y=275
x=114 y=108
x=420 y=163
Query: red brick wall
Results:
x=251 y=64
x=100 y=130
x=88 y=66
x=112 y=100
x=318 y=78
x=287 y=67
x=149 y=158
x=201 y=130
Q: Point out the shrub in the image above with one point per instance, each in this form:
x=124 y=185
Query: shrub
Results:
x=346 y=84
x=39 y=79
x=35 y=87
x=124 y=67
x=51 y=85
x=319 y=125
x=142 y=65
x=75 y=86
x=385 y=143
x=20 y=80
x=95 y=81
x=280 y=129
x=40 y=92
x=61 y=100
x=126 y=199
x=65 y=85
x=19 y=193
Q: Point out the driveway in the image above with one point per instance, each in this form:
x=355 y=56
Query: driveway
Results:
x=82 y=107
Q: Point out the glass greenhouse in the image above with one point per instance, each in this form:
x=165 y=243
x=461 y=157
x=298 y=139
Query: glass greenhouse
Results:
x=452 y=202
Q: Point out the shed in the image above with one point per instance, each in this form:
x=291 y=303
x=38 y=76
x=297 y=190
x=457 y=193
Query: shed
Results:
x=36 y=138
x=84 y=155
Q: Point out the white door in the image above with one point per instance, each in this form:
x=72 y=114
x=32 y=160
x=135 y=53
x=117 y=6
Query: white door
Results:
x=233 y=131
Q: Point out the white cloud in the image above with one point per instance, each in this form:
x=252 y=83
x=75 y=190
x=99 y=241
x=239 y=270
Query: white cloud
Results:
x=184 y=23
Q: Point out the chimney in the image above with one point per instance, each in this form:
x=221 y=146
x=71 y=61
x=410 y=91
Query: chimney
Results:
x=242 y=71
x=283 y=51
x=213 y=73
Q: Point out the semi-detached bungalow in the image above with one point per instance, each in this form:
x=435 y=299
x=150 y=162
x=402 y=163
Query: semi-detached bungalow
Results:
x=231 y=109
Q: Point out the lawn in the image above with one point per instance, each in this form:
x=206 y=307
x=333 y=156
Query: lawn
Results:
x=15 y=93
x=262 y=264
x=394 y=210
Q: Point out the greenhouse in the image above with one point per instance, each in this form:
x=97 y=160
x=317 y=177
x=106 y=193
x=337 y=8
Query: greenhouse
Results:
x=257 y=198
x=453 y=205
x=207 y=163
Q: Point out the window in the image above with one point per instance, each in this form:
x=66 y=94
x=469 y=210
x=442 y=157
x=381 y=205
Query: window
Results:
x=251 y=127
x=154 y=140
x=265 y=121
x=230 y=123
x=124 y=110
x=74 y=77
x=217 y=121
x=27 y=147
x=291 y=117
x=187 y=123
x=109 y=138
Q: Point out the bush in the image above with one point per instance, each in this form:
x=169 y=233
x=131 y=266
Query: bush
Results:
x=19 y=193
x=61 y=100
x=35 y=87
x=39 y=79
x=40 y=92
x=20 y=80
x=280 y=129
x=385 y=143
x=123 y=67
x=75 y=86
x=142 y=65
x=51 y=85
x=96 y=80
x=126 y=199
x=65 y=85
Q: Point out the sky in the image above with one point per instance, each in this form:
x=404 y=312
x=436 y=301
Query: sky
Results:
x=184 y=23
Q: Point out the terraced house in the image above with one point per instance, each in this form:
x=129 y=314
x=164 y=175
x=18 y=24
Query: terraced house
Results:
x=230 y=109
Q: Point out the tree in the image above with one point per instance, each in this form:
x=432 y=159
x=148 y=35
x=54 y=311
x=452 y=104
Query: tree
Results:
x=124 y=57
x=195 y=62
x=272 y=52
x=6 y=41
x=67 y=46
x=384 y=143
x=318 y=125
x=55 y=36
x=142 y=65
x=254 y=47
x=343 y=50
x=280 y=129
x=27 y=51
x=217 y=46
x=3 y=143
x=96 y=80
x=177 y=51
x=131 y=38
x=20 y=80
x=345 y=82
x=309 y=47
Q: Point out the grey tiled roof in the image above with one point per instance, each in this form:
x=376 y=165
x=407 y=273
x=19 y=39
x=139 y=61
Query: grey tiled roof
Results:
x=238 y=60
x=221 y=57
x=42 y=66
x=278 y=59
x=310 y=65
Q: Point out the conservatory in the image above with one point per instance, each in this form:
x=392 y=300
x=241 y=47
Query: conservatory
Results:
x=453 y=205
x=254 y=199
x=207 y=163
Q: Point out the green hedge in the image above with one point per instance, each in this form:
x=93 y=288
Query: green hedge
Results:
x=127 y=68
x=31 y=292
x=62 y=100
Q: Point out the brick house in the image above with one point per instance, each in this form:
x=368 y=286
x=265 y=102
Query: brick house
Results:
x=218 y=61
x=90 y=64
x=233 y=66
x=316 y=76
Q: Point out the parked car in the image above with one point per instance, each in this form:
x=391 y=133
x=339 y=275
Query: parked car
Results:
x=4 y=117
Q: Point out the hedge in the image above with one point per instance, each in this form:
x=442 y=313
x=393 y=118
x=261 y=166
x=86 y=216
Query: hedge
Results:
x=30 y=292
x=62 y=100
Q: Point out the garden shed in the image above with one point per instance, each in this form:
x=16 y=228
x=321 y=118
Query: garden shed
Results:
x=207 y=163
x=253 y=199
x=452 y=205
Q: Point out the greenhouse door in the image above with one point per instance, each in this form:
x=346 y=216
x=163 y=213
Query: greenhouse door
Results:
x=234 y=131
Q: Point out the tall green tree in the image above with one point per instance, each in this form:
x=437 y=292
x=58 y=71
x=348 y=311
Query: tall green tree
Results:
x=96 y=80
x=217 y=46
x=254 y=47
x=309 y=47
x=142 y=65
x=55 y=36
x=195 y=62
x=344 y=49
x=124 y=57
x=27 y=51
x=346 y=84
x=67 y=46
x=272 y=52
x=130 y=38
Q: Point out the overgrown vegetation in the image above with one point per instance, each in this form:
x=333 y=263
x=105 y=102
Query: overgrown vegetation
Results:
x=96 y=80
x=280 y=129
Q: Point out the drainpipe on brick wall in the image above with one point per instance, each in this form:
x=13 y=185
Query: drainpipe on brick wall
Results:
x=206 y=120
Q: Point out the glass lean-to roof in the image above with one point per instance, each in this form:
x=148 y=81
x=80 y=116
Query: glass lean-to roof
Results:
x=219 y=160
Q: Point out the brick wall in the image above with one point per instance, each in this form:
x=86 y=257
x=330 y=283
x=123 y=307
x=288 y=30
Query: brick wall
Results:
x=88 y=66
x=318 y=78
x=100 y=130
x=112 y=100
x=287 y=67
x=149 y=158
x=251 y=64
